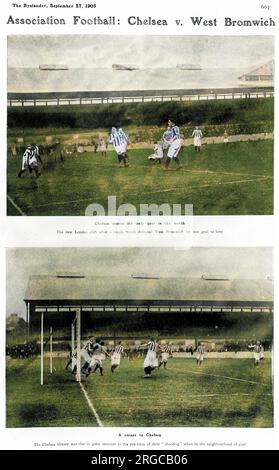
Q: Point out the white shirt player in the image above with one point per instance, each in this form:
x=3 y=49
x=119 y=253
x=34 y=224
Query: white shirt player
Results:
x=158 y=152
x=197 y=134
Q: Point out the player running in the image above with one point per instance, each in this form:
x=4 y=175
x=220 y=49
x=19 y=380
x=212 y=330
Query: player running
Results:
x=151 y=358
x=200 y=354
x=197 y=134
x=165 y=355
x=174 y=145
x=124 y=141
x=116 y=356
x=30 y=160
x=119 y=144
x=257 y=350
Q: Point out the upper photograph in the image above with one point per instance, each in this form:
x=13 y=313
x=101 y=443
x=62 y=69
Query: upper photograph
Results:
x=155 y=123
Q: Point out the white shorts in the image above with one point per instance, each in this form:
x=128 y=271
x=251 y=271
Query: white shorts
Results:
x=165 y=356
x=197 y=142
x=120 y=149
x=115 y=359
x=226 y=140
x=151 y=360
x=257 y=356
x=155 y=157
x=200 y=357
x=174 y=148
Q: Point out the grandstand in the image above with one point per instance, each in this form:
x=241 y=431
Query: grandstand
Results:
x=63 y=293
x=37 y=86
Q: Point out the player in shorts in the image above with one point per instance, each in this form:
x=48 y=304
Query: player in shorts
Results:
x=200 y=354
x=165 y=355
x=151 y=358
x=30 y=160
x=197 y=134
x=174 y=145
x=98 y=356
x=116 y=356
x=124 y=142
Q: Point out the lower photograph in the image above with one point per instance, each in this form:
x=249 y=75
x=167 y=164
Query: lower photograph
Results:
x=139 y=337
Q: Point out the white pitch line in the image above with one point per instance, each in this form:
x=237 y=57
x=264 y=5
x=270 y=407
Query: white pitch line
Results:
x=143 y=397
x=61 y=203
x=224 y=377
x=15 y=205
x=91 y=406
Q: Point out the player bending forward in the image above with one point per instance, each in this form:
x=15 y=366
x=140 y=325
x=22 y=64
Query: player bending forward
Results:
x=116 y=356
x=174 y=145
x=151 y=358
x=85 y=356
x=200 y=354
x=158 y=154
x=166 y=354
x=98 y=356
x=30 y=160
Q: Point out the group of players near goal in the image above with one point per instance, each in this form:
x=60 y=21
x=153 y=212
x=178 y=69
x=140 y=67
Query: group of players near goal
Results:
x=94 y=352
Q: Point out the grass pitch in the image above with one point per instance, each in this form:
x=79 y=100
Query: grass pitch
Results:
x=181 y=395
x=221 y=180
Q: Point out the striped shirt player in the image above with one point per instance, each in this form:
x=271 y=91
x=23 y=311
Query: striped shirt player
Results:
x=166 y=353
x=30 y=160
x=174 y=145
x=116 y=356
x=200 y=353
x=124 y=140
x=119 y=144
x=197 y=134
x=151 y=358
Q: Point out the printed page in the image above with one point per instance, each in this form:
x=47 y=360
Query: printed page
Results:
x=138 y=226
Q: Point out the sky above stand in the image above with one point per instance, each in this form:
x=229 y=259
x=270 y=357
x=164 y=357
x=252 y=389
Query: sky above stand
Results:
x=144 y=51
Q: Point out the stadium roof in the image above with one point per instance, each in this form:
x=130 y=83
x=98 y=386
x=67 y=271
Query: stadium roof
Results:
x=98 y=290
x=265 y=71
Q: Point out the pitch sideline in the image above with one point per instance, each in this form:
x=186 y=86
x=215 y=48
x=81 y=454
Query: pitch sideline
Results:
x=15 y=205
x=91 y=406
